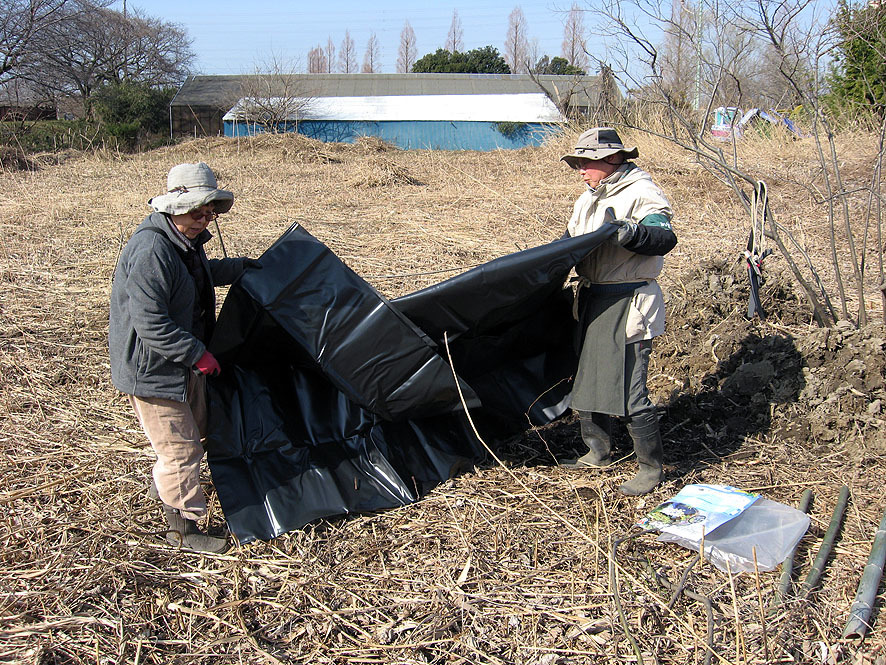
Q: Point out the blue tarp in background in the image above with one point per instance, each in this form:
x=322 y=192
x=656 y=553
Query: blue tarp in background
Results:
x=334 y=399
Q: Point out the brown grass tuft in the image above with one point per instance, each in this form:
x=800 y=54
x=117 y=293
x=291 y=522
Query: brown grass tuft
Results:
x=372 y=144
x=381 y=171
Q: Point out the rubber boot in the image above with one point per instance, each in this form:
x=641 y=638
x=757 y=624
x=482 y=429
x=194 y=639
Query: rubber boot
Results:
x=185 y=534
x=644 y=431
x=596 y=436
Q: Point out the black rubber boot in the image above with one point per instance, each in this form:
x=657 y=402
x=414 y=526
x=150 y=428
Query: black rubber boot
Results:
x=185 y=534
x=596 y=436
x=644 y=431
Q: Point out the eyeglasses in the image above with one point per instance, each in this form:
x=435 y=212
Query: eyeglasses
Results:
x=198 y=215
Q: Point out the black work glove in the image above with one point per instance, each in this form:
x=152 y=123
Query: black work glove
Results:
x=252 y=263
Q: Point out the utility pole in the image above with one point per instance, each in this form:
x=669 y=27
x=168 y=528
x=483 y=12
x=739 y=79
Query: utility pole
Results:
x=699 y=12
x=125 y=47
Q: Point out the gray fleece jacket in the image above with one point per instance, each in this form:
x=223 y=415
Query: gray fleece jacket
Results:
x=153 y=299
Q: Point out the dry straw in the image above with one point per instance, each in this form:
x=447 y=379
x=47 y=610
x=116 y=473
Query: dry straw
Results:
x=505 y=564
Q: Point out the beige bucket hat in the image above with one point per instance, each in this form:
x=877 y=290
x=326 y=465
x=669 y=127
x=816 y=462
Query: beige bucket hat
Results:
x=189 y=186
x=597 y=143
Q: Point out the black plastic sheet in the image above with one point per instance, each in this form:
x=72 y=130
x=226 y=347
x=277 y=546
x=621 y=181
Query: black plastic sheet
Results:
x=334 y=399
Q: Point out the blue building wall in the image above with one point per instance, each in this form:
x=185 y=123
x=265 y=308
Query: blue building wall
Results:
x=416 y=135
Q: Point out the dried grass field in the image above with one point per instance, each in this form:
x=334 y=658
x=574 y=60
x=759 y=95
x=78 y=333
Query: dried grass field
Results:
x=509 y=563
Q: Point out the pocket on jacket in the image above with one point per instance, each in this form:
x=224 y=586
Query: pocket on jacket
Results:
x=147 y=361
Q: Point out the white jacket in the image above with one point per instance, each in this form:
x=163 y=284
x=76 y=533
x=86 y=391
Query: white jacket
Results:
x=632 y=195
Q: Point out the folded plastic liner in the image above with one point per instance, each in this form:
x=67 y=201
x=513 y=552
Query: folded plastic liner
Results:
x=334 y=399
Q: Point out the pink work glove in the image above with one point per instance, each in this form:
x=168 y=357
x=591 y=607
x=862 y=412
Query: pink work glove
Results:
x=208 y=364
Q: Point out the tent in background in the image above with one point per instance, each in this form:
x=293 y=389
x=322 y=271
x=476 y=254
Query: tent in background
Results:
x=730 y=121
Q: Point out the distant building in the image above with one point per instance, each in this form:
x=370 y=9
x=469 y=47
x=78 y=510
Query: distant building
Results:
x=410 y=110
x=441 y=122
x=20 y=101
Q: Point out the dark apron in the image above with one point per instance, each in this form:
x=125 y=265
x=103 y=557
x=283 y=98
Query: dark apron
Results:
x=599 y=385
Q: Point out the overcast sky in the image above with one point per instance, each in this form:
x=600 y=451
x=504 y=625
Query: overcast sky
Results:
x=232 y=37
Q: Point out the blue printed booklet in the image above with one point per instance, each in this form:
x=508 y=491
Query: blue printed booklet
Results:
x=697 y=510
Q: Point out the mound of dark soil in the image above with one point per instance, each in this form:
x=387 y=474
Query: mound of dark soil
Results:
x=722 y=378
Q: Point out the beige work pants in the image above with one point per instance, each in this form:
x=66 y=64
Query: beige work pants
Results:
x=175 y=430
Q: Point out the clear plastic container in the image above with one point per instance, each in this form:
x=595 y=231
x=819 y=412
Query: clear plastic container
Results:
x=769 y=527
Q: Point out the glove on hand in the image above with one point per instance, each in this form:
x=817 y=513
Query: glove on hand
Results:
x=208 y=365
x=251 y=263
x=626 y=231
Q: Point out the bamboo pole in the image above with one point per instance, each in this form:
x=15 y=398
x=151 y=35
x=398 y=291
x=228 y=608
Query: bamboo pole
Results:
x=824 y=551
x=857 y=625
x=787 y=566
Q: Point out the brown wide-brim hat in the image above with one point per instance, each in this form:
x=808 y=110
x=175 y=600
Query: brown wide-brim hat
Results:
x=190 y=186
x=598 y=143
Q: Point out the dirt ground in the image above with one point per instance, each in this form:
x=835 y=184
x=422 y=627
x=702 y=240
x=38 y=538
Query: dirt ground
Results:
x=509 y=563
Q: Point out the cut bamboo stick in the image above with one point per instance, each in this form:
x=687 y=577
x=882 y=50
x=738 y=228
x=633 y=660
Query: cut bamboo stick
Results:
x=827 y=545
x=787 y=567
x=860 y=613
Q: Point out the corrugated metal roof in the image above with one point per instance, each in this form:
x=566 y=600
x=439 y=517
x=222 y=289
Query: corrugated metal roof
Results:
x=223 y=91
x=519 y=107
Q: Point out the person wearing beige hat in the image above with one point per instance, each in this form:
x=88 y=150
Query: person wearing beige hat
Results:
x=620 y=305
x=162 y=316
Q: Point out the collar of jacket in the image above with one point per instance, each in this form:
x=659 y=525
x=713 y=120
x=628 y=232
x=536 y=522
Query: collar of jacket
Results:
x=614 y=177
x=163 y=222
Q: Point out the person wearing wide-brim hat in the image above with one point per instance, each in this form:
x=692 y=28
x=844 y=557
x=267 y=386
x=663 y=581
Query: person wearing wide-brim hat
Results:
x=161 y=318
x=620 y=305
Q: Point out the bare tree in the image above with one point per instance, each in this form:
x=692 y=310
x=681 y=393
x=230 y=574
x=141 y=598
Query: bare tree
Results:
x=158 y=52
x=22 y=26
x=317 y=61
x=574 y=44
x=275 y=97
x=709 y=52
x=517 y=43
x=678 y=52
x=533 y=53
x=372 y=57
x=347 y=54
x=407 y=53
x=330 y=55
x=792 y=35
x=87 y=49
x=454 y=37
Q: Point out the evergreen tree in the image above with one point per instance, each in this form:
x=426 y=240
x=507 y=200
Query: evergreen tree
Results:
x=485 y=60
x=130 y=109
x=556 y=65
x=858 y=75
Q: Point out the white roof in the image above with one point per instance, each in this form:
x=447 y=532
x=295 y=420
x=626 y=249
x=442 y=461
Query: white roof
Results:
x=519 y=107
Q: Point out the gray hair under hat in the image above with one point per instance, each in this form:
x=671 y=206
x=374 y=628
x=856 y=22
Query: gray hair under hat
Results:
x=190 y=186
x=597 y=143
